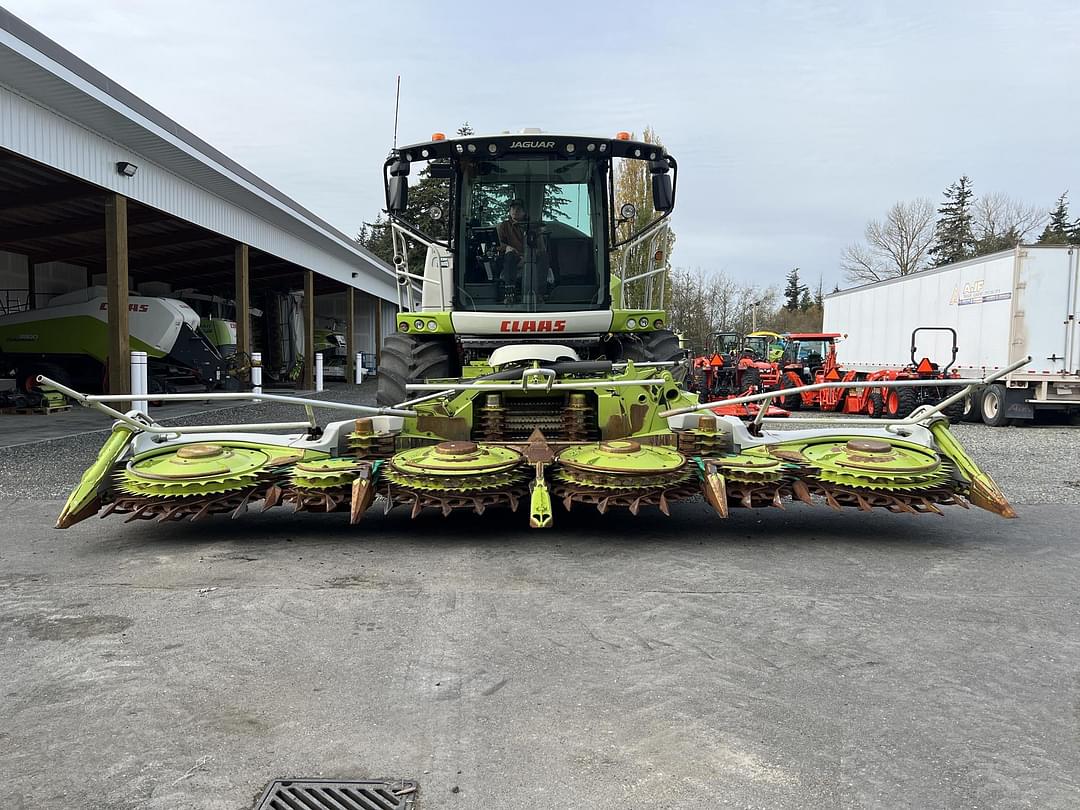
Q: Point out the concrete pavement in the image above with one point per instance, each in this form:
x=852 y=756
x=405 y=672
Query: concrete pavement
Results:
x=778 y=659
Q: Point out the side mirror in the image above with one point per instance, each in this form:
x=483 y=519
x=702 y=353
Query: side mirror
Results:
x=399 y=194
x=663 y=196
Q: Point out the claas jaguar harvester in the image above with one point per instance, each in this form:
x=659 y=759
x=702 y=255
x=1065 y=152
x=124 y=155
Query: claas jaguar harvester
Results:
x=525 y=379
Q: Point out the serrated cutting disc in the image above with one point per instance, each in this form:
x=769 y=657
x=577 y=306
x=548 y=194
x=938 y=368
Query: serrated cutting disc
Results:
x=193 y=469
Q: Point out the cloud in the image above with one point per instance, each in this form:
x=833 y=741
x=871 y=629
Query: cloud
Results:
x=793 y=122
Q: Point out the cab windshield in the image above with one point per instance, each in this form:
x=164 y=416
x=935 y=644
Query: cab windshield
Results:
x=531 y=234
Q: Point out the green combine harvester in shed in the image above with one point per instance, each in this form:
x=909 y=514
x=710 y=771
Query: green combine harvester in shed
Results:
x=533 y=369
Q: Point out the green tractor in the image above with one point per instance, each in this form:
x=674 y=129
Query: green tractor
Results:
x=532 y=369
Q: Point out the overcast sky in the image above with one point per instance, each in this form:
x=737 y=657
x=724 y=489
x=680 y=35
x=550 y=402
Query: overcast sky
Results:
x=793 y=122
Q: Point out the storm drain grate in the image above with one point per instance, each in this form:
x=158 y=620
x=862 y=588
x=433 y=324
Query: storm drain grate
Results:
x=333 y=794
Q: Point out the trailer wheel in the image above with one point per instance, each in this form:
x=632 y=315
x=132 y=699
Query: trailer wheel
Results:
x=901 y=402
x=992 y=406
x=791 y=402
x=407 y=359
x=973 y=406
x=875 y=405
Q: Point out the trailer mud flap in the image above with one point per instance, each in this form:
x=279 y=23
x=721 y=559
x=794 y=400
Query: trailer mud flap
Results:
x=984 y=492
x=85 y=500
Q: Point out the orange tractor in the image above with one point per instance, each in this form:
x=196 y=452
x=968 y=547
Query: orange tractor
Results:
x=738 y=366
x=894 y=403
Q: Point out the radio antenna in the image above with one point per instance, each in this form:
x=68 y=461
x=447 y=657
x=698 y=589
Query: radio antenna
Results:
x=397 y=103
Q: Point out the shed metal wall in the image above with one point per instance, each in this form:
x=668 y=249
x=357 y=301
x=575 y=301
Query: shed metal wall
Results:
x=52 y=115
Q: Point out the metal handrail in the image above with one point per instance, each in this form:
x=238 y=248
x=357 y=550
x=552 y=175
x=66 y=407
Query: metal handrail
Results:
x=148 y=425
x=584 y=385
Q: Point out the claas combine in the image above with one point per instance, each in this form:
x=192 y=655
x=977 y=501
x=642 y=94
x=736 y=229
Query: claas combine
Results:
x=532 y=370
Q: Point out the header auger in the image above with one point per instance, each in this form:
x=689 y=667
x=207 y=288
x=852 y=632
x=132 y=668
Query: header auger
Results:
x=526 y=375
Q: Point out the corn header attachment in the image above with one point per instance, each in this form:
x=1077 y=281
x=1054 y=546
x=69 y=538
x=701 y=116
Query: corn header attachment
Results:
x=530 y=437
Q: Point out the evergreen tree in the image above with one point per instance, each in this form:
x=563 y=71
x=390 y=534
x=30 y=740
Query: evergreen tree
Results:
x=375 y=237
x=794 y=291
x=819 y=293
x=954 y=239
x=805 y=301
x=1058 y=231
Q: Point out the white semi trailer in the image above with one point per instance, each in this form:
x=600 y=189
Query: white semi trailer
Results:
x=1004 y=307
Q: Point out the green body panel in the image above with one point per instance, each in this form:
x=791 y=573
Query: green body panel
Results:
x=620 y=319
x=84 y=499
x=217 y=332
x=442 y=321
x=76 y=334
x=621 y=410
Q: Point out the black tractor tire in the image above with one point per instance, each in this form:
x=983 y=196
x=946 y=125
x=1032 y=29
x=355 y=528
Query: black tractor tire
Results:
x=973 y=406
x=790 y=402
x=955 y=412
x=27 y=375
x=750 y=377
x=407 y=359
x=660 y=346
x=875 y=405
x=905 y=401
x=992 y=406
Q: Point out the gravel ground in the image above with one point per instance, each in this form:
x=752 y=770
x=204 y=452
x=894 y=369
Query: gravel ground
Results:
x=1034 y=465
x=50 y=469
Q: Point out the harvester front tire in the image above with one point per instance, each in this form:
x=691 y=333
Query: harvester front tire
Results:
x=660 y=346
x=407 y=359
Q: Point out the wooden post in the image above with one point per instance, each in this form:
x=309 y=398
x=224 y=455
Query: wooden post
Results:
x=116 y=283
x=31 y=284
x=242 y=294
x=350 y=334
x=309 y=330
x=378 y=332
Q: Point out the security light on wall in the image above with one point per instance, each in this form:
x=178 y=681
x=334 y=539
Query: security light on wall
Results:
x=126 y=169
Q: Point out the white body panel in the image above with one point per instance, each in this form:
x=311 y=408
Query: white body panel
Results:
x=154 y=321
x=438 y=285
x=1003 y=307
x=532 y=324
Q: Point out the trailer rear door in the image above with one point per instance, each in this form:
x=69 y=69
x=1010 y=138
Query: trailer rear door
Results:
x=1044 y=313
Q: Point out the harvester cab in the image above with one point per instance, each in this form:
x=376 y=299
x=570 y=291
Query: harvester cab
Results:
x=524 y=242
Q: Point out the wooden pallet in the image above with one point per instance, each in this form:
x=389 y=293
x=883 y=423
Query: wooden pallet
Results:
x=43 y=411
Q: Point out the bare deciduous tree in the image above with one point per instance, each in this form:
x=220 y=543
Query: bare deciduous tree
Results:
x=700 y=304
x=1002 y=222
x=895 y=246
